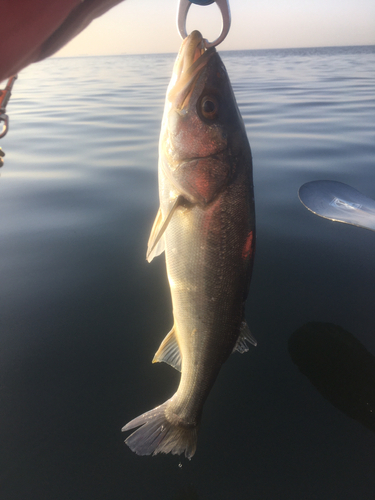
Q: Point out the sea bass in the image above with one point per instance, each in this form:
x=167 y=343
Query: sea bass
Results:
x=206 y=226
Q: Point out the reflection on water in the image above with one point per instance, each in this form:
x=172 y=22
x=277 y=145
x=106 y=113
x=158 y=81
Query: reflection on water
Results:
x=44 y=174
x=339 y=366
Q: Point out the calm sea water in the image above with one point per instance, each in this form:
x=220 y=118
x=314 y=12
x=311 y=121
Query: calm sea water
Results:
x=82 y=313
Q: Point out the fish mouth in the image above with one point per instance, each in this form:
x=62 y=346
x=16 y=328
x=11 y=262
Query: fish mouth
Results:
x=192 y=58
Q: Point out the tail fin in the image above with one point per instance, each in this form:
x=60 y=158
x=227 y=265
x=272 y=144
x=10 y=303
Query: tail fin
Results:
x=159 y=435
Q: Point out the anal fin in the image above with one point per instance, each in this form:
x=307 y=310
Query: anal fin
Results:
x=169 y=351
x=244 y=338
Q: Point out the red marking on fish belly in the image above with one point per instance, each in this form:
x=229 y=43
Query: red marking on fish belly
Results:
x=247 y=248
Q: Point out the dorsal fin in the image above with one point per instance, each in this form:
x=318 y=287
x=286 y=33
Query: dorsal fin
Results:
x=244 y=338
x=169 y=351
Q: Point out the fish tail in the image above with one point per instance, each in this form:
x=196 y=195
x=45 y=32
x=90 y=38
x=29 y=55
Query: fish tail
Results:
x=158 y=434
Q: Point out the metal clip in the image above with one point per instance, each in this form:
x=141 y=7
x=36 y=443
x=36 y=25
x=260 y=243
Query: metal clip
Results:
x=182 y=12
x=4 y=99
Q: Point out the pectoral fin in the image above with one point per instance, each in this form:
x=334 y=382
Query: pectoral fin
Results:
x=156 y=243
x=169 y=351
x=243 y=338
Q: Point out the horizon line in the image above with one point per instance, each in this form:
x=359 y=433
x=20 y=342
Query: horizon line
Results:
x=226 y=50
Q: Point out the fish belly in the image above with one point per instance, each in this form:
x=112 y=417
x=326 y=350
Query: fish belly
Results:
x=209 y=266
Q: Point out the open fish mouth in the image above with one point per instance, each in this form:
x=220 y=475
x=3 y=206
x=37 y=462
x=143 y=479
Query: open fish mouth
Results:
x=192 y=58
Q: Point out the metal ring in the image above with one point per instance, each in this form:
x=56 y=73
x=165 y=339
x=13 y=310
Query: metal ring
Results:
x=4 y=118
x=183 y=9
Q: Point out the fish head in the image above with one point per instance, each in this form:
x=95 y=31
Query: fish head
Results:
x=202 y=130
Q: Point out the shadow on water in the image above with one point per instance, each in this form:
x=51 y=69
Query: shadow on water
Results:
x=186 y=493
x=339 y=366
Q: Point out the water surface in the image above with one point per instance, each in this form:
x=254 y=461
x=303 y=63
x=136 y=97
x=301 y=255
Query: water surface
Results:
x=82 y=312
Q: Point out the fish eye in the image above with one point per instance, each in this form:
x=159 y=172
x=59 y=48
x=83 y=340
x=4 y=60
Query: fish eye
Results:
x=209 y=107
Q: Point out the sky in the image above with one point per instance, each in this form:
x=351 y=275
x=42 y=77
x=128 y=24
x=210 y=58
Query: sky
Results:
x=149 y=26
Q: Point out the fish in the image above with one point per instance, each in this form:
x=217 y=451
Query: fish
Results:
x=206 y=227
